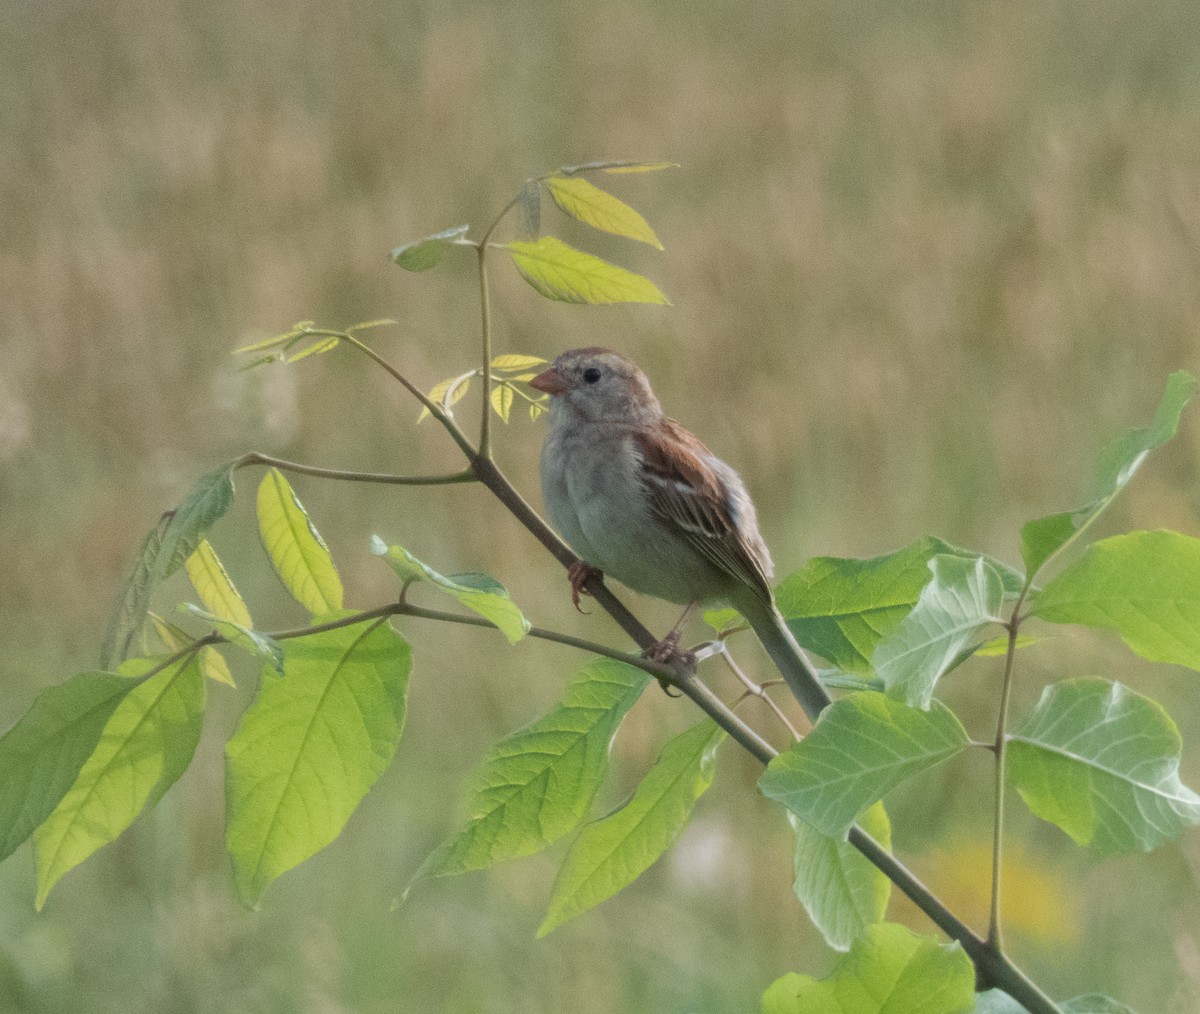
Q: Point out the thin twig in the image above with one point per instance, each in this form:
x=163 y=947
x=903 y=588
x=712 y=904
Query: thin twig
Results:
x=434 y=409
x=1000 y=748
x=255 y=458
x=755 y=690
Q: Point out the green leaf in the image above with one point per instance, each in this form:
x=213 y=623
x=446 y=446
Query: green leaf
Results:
x=1102 y=763
x=490 y=601
x=213 y=585
x=539 y=783
x=839 y=888
x=997 y=646
x=423 y=254
x=841 y=609
x=264 y=648
x=963 y=595
x=455 y=387
x=41 y=755
x=325 y=343
x=191 y=521
x=502 y=399
x=996 y=1001
x=310 y=747
x=889 y=970
x=529 y=204
x=147 y=743
x=297 y=551
x=561 y=272
x=1044 y=538
x=598 y=208
x=1093 y=1003
x=130 y=615
x=617 y=167
x=175 y=638
x=1144 y=585
x=290 y=335
x=613 y=852
x=512 y=363
x=862 y=746
x=368 y=325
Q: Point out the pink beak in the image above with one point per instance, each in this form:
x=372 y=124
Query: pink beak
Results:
x=550 y=381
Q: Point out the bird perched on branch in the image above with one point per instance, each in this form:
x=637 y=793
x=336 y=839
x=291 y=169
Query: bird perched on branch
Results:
x=640 y=498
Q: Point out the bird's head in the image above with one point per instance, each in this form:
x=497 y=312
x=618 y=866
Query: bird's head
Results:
x=597 y=384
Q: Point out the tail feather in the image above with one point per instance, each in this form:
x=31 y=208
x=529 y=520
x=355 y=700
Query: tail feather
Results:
x=788 y=656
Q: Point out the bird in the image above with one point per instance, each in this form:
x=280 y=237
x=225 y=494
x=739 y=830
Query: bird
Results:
x=640 y=498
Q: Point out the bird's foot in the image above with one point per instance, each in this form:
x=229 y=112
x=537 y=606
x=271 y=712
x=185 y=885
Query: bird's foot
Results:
x=579 y=573
x=668 y=652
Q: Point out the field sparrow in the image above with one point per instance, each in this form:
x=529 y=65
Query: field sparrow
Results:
x=640 y=498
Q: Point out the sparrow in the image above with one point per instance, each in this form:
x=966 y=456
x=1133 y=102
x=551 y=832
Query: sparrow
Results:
x=640 y=498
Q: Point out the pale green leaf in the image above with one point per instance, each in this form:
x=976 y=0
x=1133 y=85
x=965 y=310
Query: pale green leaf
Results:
x=997 y=646
x=1094 y=1003
x=841 y=891
x=213 y=585
x=511 y=363
x=214 y=667
x=996 y=1001
x=310 y=747
x=448 y=393
x=41 y=755
x=561 y=272
x=862 y=746
x=1144 y=585
x=539 y=784
x=529 y=204
x=611 y=853
x=841 y=609
x=1102 y=763
x=297 y=552
x=502 y=399
x=291 y=334
x=589 y=204
x=129 y=617
x=492 y=602
x=147 y=743
x=963 y=595
x=423 y=254
x=889 y=970
x=190 y=522
x=1044 y=538
x=175 y=638
x=326 y=343
x=259 y=645
x=367 y=325
x=617 y=167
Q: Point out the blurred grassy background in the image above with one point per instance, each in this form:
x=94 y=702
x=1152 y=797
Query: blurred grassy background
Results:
x=928 y=257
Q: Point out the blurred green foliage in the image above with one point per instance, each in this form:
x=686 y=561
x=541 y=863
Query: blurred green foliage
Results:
x=928 y=257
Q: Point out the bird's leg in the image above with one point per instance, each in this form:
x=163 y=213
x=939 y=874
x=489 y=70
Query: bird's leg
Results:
x=579 y=573
x=667 y=650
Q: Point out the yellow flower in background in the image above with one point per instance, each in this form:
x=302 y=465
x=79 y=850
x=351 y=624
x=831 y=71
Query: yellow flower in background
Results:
x=1039 y=901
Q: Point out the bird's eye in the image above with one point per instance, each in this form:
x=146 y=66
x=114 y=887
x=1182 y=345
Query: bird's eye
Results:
x=591 y=374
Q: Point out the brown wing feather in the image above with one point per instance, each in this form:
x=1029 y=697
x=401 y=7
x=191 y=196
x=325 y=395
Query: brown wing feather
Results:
x=687 y=492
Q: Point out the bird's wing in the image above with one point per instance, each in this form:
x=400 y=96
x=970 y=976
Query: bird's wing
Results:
x=688 y=493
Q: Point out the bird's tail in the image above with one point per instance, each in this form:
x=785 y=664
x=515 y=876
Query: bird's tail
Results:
x=787 y=655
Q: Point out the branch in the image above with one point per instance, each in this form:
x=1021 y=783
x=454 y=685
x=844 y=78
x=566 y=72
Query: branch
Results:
x=433 y=408
x=255 y=458
x=992 y=967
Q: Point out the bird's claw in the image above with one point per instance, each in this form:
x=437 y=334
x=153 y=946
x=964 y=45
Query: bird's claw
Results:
x=579 y=573
x=667 y=652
